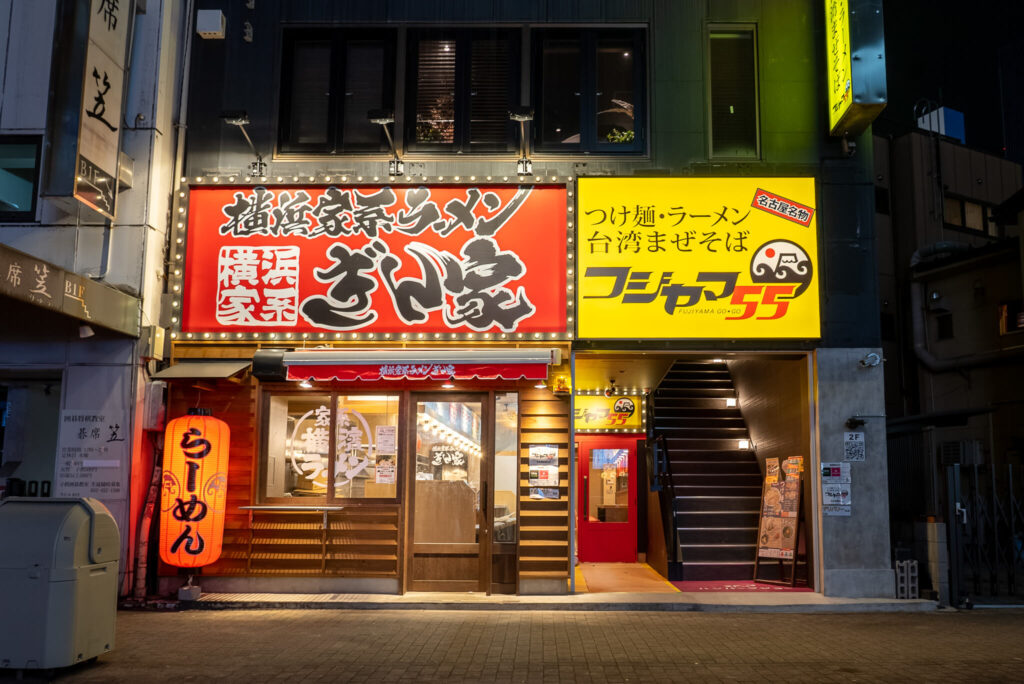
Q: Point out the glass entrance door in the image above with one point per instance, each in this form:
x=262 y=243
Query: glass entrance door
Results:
x=451 y=516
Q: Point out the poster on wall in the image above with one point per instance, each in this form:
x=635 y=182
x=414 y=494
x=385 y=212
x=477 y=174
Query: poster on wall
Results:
x=92 y=451
x=836 y=484
x=853 y=446
x=385 y=469
x=543 y=471
x=698 y=258
x=376 y=259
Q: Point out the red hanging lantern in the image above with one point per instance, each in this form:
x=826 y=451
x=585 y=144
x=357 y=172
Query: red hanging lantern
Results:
x=194 y=489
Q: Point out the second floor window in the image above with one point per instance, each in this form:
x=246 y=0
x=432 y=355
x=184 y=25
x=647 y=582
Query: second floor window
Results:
x=589 y=90
x=330 y=80
x=462 y=84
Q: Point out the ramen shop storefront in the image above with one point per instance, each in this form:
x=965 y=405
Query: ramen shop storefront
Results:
x=381 y=439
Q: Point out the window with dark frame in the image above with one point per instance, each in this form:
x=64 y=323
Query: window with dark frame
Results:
x=732 y=59
x=320 y=446
x=330 y=80
x=589 y=90
x=461 y=85
x=19 y=177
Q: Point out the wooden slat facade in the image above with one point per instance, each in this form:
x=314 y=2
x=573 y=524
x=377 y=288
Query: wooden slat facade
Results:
x=365 y=539
x=544 y=523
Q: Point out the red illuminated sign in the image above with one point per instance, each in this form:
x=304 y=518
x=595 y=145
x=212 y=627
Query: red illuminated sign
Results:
x=376 y=259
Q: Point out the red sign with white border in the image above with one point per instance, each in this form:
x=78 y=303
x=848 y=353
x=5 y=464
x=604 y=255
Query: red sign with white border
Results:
x=376 y=259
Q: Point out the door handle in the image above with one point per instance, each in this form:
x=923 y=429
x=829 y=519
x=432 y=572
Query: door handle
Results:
x=586 y=498
x=961 y=511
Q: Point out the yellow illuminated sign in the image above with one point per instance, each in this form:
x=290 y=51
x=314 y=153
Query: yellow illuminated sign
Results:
x=617 y=413
x=697 y=258
x=839 y=66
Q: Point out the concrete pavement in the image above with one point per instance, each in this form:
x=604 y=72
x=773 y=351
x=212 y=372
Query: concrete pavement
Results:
x=548 y=646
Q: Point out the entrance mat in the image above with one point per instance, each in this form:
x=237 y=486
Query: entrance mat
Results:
x=733 y=585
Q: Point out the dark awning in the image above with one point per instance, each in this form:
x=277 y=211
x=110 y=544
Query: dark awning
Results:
x=202 y=369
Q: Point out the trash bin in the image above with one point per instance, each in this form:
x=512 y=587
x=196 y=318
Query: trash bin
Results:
x=58 y=581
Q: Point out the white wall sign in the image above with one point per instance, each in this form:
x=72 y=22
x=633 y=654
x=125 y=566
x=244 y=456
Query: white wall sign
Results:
x=853 y=446
x=837 y=510
x=835 y=473
x=99 y=129
x=386 y=439
x=92 y=455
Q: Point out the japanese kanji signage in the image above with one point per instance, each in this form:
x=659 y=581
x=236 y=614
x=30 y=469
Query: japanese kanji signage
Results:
x=376 y=259
x=92 y=455
x=194 y=490
x=100 y=112
x=606 y=414
x=855 y=64
x=697 y=258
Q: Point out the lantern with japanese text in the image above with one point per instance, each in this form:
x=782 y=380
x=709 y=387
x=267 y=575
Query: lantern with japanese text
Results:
x=194 y=489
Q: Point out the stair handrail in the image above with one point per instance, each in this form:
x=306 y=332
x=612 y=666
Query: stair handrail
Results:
x=669 y=511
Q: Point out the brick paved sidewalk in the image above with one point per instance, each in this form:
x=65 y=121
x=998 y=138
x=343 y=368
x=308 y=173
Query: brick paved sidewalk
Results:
x=518 y=646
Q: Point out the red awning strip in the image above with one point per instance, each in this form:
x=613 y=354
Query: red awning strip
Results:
x=419 y=371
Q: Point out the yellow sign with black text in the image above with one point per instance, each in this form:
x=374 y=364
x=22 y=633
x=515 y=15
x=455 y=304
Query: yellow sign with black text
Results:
x=617 y=413
x=697 y=258
x=839 y=66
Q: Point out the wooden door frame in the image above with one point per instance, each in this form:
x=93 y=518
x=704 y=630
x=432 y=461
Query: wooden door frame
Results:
x=485 y=519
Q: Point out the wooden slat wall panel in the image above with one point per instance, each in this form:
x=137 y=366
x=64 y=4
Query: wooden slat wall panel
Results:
x=544 y=524
x=359 y=541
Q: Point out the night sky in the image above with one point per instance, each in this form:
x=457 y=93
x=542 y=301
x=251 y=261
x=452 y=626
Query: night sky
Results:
x=952 y=52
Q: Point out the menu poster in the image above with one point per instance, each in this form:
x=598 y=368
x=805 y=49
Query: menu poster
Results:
x=794 y=465
x=780 y=510
x=543 y=455
x=544 y=476
x=385 y=470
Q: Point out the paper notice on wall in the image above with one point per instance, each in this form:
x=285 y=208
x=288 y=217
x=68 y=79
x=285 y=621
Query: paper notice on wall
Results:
x=386 y=438
x=835 y=473
x=92 y=455
x=384 y=473
x=543 y=455
x=836 y=494
x=836 y=510
x=544 y=476
x=853 y=446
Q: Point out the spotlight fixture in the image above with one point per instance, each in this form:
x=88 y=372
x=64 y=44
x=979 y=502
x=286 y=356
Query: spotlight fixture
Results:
x=383 y=117
x=306 y=384
x=449 y=383
x=85 y=331
x=524 y=167
x=541 y=384
x=241 y=119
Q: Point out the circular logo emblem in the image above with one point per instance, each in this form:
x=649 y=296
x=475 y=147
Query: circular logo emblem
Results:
x=781 y=262
x=624 y=405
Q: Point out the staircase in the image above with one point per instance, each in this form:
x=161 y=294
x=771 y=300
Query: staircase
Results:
x=717 y=485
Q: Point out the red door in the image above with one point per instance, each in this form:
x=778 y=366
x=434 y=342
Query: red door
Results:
x=607 y=498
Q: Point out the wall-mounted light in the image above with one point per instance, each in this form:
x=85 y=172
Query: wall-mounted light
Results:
x=241 y=119
x=743 y=444
x=306 y=384
x=730 y=402
x=524 y=167
x=383 y=117
x=449 y=383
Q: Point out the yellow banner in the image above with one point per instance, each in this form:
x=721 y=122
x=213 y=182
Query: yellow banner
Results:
x=697 y=258
x=597 y=413
x=838 y=65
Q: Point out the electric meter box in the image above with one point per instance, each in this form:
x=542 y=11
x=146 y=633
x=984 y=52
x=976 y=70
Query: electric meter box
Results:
x=58 y=581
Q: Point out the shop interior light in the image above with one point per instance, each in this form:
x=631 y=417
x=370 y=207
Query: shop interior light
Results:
x=306 y=384
x=449 y=383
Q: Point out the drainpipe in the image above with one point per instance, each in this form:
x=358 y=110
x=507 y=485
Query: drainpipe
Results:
x=572 y=471
x=917 y=311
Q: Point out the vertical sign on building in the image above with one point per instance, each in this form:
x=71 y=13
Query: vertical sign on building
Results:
x=854 y=64
x=100 y=115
